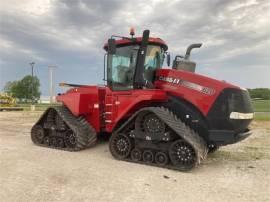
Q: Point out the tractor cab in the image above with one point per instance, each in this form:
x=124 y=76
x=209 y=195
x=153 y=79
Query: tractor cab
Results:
x=132 y=62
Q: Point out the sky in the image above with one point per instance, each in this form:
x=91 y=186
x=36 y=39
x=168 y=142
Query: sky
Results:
x=70 y=34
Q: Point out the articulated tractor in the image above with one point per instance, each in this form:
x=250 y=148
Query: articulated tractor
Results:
x=167 y=117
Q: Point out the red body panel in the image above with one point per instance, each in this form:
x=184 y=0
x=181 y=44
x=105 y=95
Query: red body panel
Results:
x=86 y=101
x=121 y=104
x=104 y=108
x=199 y=90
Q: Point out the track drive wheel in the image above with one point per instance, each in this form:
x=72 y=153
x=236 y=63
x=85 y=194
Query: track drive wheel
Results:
x=120 y=146
x=153 y=125
x=37 y=134
x=182 y=155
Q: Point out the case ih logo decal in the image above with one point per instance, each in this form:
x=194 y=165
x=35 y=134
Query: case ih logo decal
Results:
x=188 y=84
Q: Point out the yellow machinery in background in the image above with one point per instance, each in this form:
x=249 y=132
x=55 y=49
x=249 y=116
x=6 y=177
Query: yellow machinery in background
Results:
x=8 y=103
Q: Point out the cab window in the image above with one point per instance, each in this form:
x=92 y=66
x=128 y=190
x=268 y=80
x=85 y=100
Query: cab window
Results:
x=121 y=66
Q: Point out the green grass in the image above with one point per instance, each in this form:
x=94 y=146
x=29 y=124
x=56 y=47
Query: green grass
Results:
x=39 y=107
x=261 y=105
x=262 y=117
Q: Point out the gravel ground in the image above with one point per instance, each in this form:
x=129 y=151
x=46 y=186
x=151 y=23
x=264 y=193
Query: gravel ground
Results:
x=238 y=172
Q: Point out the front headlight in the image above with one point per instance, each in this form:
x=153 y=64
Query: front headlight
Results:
x=238 y=115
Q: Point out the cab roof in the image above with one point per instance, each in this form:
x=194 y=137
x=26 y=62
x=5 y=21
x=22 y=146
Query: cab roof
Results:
x=137 y=40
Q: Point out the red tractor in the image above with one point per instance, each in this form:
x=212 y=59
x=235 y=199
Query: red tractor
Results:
x=166 y=117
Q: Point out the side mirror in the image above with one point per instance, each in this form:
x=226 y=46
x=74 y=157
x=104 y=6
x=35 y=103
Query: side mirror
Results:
x=168 y=59
x=111 y=46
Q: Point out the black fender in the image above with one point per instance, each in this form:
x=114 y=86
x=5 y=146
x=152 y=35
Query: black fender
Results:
x=190 y=115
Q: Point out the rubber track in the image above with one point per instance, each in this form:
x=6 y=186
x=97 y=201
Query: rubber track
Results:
x=85 y=133
x=178 y=127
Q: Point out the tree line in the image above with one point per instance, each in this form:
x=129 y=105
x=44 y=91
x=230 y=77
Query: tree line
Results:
x=22 y=89
x=260 y=93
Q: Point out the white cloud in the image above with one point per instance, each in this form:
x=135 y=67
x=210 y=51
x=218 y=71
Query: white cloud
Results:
x=31 y=7
x=235 y=34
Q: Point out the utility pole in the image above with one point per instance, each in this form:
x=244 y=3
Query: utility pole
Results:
x=32 y=86
x=51 y=82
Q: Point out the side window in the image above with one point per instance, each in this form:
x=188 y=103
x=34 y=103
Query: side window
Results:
x=120 y=68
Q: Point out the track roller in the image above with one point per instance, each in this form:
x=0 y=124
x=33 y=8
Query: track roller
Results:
x=148 y=156
x=136 y=155
x=161 y=158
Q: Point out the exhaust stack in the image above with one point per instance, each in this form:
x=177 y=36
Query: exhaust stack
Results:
x=184 y=63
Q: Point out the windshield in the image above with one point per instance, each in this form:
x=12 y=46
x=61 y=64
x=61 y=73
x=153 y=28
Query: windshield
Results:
x=121 y=65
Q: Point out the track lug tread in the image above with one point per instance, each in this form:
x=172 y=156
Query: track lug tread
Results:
x=85 y=133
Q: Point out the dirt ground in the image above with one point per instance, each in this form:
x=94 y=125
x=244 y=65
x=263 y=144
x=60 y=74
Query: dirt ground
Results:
x=238 y=172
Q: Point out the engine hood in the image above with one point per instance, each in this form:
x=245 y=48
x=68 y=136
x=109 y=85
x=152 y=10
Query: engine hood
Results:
x=199 y=90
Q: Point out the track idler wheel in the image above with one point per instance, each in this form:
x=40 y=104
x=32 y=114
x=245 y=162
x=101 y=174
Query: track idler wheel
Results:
x=161 y=158
x=120 y=146
x=37 y=134
x=148 y=156
x=70 y=139
x=182 y=155
x=136 y=155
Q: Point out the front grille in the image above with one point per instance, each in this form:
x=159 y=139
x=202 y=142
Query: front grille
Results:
x=230 y=100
